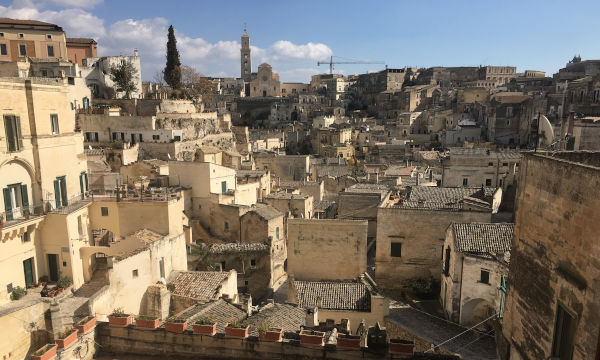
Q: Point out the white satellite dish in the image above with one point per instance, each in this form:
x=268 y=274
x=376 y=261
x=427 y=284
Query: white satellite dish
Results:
x=545 y=131
x=169 y=155
x=90 y=147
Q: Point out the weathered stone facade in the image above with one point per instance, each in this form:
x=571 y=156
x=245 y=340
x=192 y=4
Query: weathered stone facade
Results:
x=554 y=258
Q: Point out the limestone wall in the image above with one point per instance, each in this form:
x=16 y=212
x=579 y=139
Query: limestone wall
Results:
x=327 y=249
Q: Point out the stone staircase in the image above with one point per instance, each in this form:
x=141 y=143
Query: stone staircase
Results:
x=99 y=279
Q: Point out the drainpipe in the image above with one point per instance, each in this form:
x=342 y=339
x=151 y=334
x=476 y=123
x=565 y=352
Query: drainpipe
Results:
x=462 y=267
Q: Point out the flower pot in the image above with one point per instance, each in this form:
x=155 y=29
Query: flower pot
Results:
x=176 y=327
x=67 y=341
x=49 y=352
x=202 y=329
x=241 y=333
x=86 y=324
x=120 y=321
x=401 y=347
x=309 y=337
x=274 y=334
x=348 y=341
x=146 y=324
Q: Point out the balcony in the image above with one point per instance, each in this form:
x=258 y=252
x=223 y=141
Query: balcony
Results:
x=73 y=206
x=21 y=214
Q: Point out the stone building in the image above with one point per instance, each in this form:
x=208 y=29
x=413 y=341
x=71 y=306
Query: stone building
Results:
x=551 y=305
x=355 y=300
x=326 y=249
x=285 y=167
x=360 y=202
x=475 y=268
x=266 y=83
x=96 y=72
x=81 y=48
x=31 y=38
x=246 y=59
x=411 y=229
x=294 y=205
x=501 y=74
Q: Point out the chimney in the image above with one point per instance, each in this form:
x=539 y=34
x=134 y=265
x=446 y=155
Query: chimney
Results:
x=319 y=302
x=312 y=317
x=292 y=292
x=135 y=52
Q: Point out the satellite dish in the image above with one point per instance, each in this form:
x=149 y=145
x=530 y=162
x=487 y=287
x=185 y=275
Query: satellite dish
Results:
x=90 y=147
x=169 y=155
x=545 y=131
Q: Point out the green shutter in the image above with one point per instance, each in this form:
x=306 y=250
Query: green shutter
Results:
x=18 y=133
x=57 y=193
x=81 y=185
x=7 y=203
x=24 y=197
x=85 y=177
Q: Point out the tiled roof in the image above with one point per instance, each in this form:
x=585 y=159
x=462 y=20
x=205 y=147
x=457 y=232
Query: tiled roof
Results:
x=237 y=248
x=483 y=238
x=508 y=154
x=220 y=311
x=266 y=212
x=201 y=285
x=22 y=23
x=335 y=295
x=81 y=40
x=250 y=173
x=285 y=195
x=445 y=198
x=322 y=204
x=285 y=316
x=367 y=188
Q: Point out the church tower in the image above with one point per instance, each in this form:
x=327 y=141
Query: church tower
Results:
x=245 y=59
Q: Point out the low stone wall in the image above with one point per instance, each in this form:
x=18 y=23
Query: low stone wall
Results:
x=131 y=341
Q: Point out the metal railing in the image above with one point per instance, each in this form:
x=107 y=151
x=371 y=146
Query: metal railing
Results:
x=20 y=214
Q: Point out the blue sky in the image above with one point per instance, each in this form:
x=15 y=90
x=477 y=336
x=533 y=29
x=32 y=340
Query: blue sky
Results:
x=294 y=35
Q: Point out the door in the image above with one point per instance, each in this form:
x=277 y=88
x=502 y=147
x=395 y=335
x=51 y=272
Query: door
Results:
x=223 y=187
x=53 y=266
x=28 y=268
x=132 y=139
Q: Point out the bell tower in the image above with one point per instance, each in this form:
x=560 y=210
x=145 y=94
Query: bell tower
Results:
x=245 y=59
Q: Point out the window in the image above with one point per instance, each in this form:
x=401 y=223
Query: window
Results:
x=16 y=201
x=12 y=128
x=447 y=261
x=465 y=182
x=3 y=49
x=396 y=249
x=25 y=237
x=21 y=36
x=488 y=182
x=1 y=34
x=252 y=263
x=155 y=137
x=60 y=191
x=134 y=273
x=48 y=36
x=22 y=50
x=500 y=182
x=104 y=211
x=79 y=225
x=490 y=164
x=222 y=265
x=564 y=334
x=44 y=73
x=277 y=233
x=504 y=164
x=54 y=124
x=226 y=226
x=50 y=50
x=484 y=277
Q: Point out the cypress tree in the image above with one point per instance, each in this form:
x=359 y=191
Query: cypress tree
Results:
x=172 y=72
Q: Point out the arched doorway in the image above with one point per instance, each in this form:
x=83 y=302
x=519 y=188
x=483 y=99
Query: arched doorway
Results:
x=475 y=311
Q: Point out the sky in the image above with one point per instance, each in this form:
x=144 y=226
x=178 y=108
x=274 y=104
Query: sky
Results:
x=293 y=35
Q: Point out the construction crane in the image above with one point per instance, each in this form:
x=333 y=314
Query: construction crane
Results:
x=331 y=62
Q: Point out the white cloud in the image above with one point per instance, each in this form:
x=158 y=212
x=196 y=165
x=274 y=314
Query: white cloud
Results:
x=149 y=36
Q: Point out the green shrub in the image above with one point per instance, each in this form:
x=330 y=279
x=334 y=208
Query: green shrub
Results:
x=119 y=312
x=233 y=323
x=64 y=282
x=206 y=320
x=17 y=293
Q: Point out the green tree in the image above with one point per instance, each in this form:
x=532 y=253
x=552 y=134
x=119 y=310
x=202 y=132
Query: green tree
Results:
x=172 y=71
x=123 y=76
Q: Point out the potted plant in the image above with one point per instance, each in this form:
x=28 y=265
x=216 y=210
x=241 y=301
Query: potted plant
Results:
x=66 y=338
x=146 y=322
x=312 y=337
x=119 y=318
x=236 y=329
x=401 y=347
x=268 y=333
x=17 y=293
x=64 y=282
x=176 y=325
x=86 y=324
x=205 y=326
x=46 y=352
x=348 y=341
